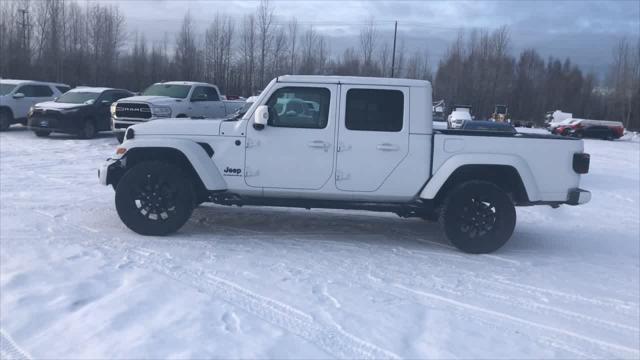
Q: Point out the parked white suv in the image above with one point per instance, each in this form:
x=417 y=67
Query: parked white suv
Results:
x=368 y=145
x=18 y=96
x=174 y=99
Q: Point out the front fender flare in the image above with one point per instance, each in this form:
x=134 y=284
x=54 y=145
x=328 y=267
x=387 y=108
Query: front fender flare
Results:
x=454 y=162
x=204 y=166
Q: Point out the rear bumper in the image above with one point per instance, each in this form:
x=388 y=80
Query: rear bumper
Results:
x=578 y=197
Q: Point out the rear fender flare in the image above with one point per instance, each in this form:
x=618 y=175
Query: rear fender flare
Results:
x=443 y=173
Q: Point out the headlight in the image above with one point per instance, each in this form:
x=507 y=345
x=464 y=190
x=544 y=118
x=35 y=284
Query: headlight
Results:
x=113 y=109
x=31 y=110
x=161 y=111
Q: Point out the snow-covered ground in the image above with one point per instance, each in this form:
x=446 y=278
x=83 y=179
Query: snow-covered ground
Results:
x=281 y=283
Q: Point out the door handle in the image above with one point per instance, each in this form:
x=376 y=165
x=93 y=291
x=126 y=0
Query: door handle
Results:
x=319 y=144
x=387 y=147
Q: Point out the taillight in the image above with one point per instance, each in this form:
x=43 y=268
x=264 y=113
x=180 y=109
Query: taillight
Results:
x=619 y=130
x=581 y=163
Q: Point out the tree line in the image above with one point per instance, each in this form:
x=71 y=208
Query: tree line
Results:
x=87 y=44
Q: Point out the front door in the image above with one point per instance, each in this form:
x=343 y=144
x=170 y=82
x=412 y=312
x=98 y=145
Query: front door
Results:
x=296 y=149
x=373 y=135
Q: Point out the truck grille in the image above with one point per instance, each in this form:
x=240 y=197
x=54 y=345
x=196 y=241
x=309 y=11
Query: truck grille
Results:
x=131 y=110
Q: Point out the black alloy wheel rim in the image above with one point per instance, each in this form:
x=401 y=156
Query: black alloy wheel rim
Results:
x=155 y=198
x=478 y=217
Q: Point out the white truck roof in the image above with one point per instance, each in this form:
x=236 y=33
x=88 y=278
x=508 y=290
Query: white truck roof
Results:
x=90 y=89
x=354 y=80
x=189 y=83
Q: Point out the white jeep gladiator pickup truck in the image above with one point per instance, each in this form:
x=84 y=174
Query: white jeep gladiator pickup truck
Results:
x=177 y=99
x=344 y=143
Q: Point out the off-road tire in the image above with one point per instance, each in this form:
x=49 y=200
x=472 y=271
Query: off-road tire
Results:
x=5 y=120
x=478 y=217
x=151 y=190
x=40 y=133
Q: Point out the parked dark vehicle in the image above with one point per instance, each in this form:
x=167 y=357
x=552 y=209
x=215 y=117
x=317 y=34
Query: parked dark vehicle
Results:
x=596 y=132
x=83 y=111
x=487 y=126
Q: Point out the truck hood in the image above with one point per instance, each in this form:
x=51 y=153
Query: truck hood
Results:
x=57 y=105
x=179 y=127
x=154 y=100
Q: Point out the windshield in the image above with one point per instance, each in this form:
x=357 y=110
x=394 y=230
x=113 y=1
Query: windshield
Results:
x=6 y=88
x=173 y=91
x=77 y=97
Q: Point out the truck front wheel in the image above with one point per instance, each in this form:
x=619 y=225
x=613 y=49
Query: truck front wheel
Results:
x=478 y=217
x=155 y=198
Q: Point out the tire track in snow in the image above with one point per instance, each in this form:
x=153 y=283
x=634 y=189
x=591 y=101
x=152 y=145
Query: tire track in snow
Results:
x=9 y=350
x=354 y=274
x=460 y=304
x=329 y=337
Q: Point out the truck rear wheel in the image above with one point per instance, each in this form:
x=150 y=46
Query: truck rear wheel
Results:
x=155 y=198
x=478 y=217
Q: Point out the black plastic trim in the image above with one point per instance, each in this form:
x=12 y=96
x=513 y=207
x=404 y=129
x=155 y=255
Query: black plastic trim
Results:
x=502 y=134
x=581 y=163
x=207 y=148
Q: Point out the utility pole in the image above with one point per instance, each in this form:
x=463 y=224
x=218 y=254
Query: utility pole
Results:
x=393 y=57
x=23 y=28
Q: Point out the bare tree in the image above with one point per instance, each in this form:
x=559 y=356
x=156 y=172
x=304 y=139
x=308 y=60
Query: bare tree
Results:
x=186 y=51
x=624 y=75
x=247 y=53
x=367 y=47
x=265 y=20
x=293 y=35
x=280 y=53
x=384 y=59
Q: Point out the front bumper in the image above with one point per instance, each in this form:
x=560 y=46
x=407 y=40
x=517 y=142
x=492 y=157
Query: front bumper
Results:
x=578 y=196
x=108 y=170
x=54 y=123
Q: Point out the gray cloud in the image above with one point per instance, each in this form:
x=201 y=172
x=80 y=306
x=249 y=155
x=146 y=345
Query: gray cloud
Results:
x=585 y=31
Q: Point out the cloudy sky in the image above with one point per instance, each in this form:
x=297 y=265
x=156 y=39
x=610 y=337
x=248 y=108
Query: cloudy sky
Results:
x=583 y=30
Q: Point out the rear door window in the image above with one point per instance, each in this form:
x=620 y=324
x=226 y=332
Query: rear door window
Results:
x=42 y=91
x=374 y=110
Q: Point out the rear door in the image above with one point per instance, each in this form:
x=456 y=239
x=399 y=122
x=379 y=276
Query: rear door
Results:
x=373 y=135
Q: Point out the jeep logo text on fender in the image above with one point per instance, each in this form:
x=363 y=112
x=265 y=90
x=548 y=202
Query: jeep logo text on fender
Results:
x=231 y=171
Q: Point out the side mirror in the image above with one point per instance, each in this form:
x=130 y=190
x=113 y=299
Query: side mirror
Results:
x=261 y=117
x=18 y=95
